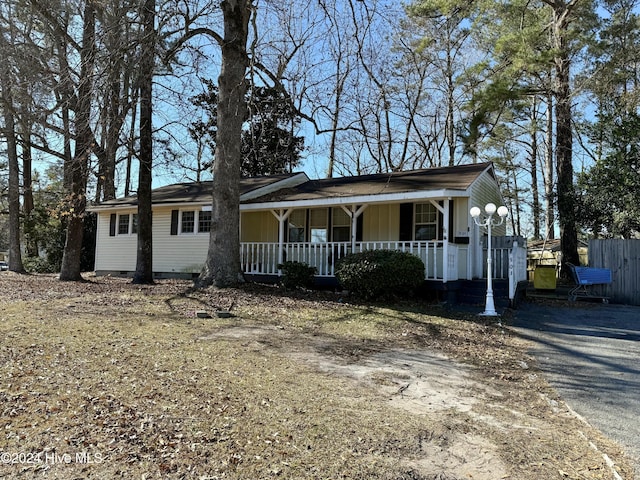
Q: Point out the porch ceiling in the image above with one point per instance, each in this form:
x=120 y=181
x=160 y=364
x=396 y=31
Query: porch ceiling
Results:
x=354 y=200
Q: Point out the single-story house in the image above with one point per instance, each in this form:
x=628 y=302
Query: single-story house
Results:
x=291 y=217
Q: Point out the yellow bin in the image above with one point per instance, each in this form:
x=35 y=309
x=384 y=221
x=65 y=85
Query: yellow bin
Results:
x=544 y=277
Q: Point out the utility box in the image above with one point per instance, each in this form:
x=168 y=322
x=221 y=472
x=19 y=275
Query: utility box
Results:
x=544 y=277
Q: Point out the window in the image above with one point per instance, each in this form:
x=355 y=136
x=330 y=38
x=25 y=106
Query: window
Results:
x=188 y=221
x=297 y=225
x=318 y=223
x=123 y=224
x=323 y=225
x=426 y=221
x=204 y=221
x=341 y=226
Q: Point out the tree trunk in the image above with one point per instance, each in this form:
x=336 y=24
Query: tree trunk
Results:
x=76 y=172
x=15 y=254
x=131 y=145
x=550 y=206
x=450 y=128
x=340 y=79
x=533 y=166
x=31 y=239
x=222 y=266
x=144 y=259
x=564 y=151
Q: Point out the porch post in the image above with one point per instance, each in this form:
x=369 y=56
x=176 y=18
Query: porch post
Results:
x=445 y=211
x=282 y=216
x=445 y=239
x=354 y=212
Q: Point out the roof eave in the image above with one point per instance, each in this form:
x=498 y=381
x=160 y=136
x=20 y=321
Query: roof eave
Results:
x=357 y=199
x=292 y=181
x=134 y=205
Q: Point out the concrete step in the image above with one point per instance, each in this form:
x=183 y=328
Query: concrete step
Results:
x=561 y=292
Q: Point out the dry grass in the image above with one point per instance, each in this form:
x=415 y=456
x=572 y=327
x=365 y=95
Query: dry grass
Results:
x=104 y=379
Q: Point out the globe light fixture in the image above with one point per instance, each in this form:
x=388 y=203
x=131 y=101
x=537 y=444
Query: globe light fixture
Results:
x=489 y=221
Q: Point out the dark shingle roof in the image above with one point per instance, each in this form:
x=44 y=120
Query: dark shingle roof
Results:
x=457 y=178
x=444 y=178
x=195 y=192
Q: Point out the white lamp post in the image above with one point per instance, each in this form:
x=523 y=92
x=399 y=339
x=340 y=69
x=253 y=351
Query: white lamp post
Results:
x=489 y=221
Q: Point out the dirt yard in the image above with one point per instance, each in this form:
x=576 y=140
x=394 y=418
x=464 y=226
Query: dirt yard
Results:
x=104 y=379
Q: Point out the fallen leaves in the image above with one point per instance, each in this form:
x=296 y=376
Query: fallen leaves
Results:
x=131 y=380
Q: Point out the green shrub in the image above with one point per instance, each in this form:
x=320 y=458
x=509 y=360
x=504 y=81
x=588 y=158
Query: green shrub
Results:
x=39 y=265
x=297 y=275
x=380 y=273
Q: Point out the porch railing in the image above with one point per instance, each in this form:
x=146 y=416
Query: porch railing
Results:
x=506 y=261
x=509 y=263
x=263 y=258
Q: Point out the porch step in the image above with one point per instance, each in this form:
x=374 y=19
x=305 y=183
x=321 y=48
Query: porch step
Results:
x=474 y=292
x=561 y=292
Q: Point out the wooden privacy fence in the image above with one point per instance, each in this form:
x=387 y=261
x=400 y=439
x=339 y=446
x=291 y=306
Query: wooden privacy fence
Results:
x=622 y=257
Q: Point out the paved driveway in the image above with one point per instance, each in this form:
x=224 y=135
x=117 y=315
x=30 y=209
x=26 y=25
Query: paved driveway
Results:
x=591 y=355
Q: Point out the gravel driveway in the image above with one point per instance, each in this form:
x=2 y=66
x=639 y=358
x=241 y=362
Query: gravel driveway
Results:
x=590 y=354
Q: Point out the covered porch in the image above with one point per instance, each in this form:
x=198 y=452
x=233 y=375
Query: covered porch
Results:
x=319 y=234
x=509 y=258
x=263 y=258
x=425 y=213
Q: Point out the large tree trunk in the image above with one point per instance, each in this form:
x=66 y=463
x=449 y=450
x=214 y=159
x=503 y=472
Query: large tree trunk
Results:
x=222 y=266
x=15 y=254
x=144 y=259
x=564 y=150
x=76 y=172
x=7 y=107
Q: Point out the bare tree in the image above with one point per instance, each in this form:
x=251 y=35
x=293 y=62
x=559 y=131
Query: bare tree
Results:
x=563 y=15
x=76 y=169
x=116 y=92
x=15 y=255
x=222 y=266
x=144 y=259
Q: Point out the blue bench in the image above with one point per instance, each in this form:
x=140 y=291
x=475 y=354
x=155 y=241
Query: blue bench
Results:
x=585 y=277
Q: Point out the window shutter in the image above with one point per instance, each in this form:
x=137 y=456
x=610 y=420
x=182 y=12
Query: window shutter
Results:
x=112 y=225
x=359 y=227
x=406 y=222
x=174 y=222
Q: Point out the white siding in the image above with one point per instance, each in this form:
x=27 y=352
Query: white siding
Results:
x=183 y=253
x=460 y=212
x=484 y=190
x=116 y=253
